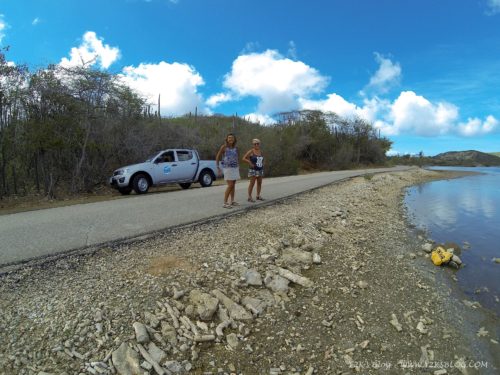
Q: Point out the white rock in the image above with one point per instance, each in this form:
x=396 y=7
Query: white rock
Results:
x=126 y=361
x=252 y=277
x=141 y=333
x=236 y=312
x=232 y=340
x=427 y=247
x=206 y=305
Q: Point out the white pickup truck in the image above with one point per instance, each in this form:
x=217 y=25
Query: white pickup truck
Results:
x=179 y=166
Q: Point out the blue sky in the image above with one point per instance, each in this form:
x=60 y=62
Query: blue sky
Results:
x=426 y=73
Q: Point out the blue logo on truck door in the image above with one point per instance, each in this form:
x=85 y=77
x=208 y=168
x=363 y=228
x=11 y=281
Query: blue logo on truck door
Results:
x=167 y=169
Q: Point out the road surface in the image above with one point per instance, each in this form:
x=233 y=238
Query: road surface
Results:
x=44 y=233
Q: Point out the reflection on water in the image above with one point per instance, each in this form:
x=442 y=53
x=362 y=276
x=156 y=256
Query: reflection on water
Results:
x=465 y=210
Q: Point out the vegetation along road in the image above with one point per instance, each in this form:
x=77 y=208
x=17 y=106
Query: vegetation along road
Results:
x=38 y=234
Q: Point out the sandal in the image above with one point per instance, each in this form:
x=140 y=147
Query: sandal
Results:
x=250 y=199
x=259 y=198
x=235 y=204
x=227 y=205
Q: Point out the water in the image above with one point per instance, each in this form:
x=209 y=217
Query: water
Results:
x=465 y=210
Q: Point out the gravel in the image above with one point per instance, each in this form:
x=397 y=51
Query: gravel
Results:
x=322 y=283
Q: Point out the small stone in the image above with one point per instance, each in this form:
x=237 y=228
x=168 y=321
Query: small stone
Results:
x=146 y=365
x=456 y=259
x=252 y=277
x=126 y=360
x=156 y=353
x=232 y=340
x=236 y=312
x=427 y=248
x=364 y=344
x=421 y=328
x=141 y=333
x=206 y=305
x=482 y=332
x=395 y=323
x=316 y=258
x=174 y=367
x=362 y=284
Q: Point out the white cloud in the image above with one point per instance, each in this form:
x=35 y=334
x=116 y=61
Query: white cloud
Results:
x=282 y=84
x=387 y=76
x=36 y=21
x=176 y=84
x=414 y=114
x=333 y=103
x=219 y=98
x=277 y=81
x=408 y=114
x=493 y=7
x=3 y=27
x=475 y=126
x=91 y=51
x=260 y=118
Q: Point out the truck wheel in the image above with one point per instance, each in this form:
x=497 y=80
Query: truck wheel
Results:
x=185 y=185
x=125 y=190
x=140 y=184
x=206 y=178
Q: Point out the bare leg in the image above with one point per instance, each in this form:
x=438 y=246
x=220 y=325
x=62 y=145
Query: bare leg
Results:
x=250 y=187
x=228 y=191
x=259 y=185
x=233 y=183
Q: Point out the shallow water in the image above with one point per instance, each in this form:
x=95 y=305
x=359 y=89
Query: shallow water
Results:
x=465 y=211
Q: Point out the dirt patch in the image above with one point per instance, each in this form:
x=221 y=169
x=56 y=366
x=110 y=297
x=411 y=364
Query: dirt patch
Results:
x=165 y=264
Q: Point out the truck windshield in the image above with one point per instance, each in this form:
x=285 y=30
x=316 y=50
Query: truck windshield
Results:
x=151 y=158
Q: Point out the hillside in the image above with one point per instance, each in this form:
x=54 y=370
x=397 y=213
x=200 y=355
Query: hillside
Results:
x=466 y=158
x=495 y=153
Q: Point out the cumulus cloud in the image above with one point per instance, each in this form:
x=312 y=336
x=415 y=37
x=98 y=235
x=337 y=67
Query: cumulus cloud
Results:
x=3 y=27
x=276 y=81
x=216 y=99
x=176 y=83
x=333 y=103
x=282 y=84
x=260 y=118
x=91 y=51
x=413 y=114
x=386 y=77
x=493 y=7
x=475 y=126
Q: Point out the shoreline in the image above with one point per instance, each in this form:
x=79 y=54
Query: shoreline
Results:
x=468 y=313
x=369 y=305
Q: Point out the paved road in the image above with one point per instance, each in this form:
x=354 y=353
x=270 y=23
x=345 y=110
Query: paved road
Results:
x=43 y=233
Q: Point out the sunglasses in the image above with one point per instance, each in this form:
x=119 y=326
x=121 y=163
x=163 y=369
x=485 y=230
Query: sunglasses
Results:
x=256 y=144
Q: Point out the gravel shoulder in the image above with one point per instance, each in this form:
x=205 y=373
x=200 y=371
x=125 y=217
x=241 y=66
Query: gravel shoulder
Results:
x=328 y=282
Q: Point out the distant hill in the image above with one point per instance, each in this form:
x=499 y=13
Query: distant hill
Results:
x=469 y=158
x=495 y=153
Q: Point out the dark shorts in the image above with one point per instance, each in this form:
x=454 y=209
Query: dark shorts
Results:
x=255 y=173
